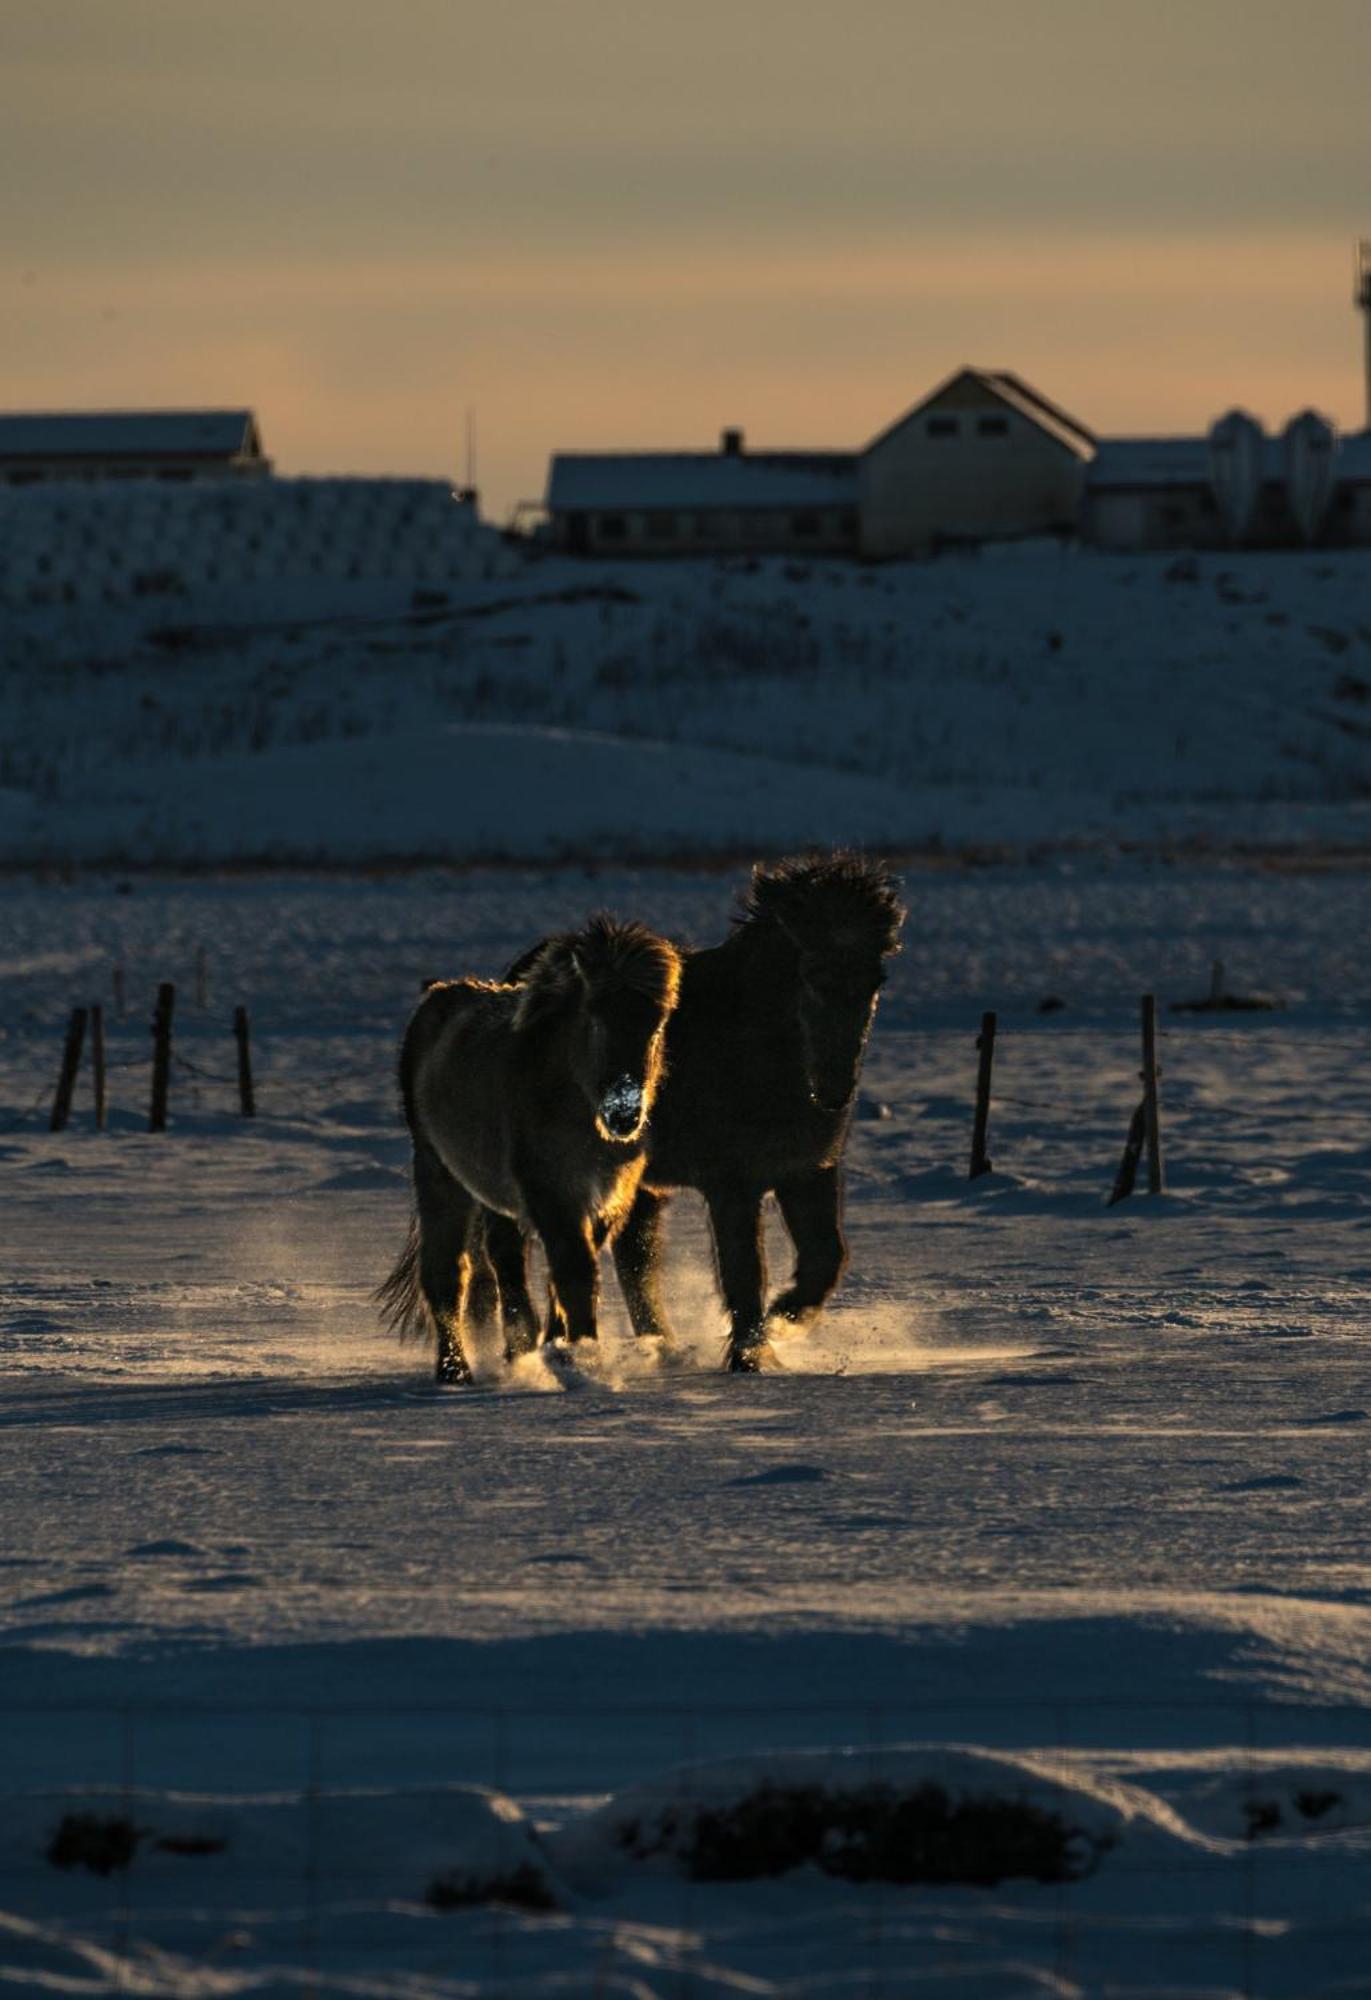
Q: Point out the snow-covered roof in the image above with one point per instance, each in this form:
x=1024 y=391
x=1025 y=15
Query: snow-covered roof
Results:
x=88 y=434
x=777 y=479
x=1156 y=462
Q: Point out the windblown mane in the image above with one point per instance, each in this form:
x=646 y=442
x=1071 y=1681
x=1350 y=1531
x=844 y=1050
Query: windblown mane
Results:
x=605 y=956
x=843 y=898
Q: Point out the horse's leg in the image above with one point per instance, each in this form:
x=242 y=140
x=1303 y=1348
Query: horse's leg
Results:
x=735 y=1214
x=444 y=1211
x=508 y=1252
x=573 y=1267
x=637 y=1260
x=812 y=1207
x=483 y=1291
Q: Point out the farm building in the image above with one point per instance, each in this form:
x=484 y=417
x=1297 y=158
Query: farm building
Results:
x=983 y=456
x=130 y=444
x=1237 y=487
x=693 y=503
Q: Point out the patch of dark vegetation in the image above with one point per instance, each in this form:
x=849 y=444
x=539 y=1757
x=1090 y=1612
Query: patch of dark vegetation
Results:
x=104 y=1846
x=1313 y=1805
x=874 y=1834
x=521 y=1888
x=192 y=1845
x=1263 y=1816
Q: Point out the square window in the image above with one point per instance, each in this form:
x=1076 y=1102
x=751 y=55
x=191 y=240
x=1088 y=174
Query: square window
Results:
x=992 y=427
x=942 y=427
x=613 y=527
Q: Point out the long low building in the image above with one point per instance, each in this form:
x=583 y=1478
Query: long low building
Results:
x=983 y=456
x=1237 y=487
x=39 y=446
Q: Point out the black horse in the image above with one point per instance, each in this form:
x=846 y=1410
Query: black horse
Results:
x=529 y=1102
x=763 y=1053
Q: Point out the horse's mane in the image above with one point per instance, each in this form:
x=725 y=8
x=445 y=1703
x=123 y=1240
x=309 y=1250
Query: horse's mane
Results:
x=605 y=956
x=842 y=898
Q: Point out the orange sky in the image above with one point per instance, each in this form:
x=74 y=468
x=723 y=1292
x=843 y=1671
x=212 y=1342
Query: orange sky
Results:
x=615 y=222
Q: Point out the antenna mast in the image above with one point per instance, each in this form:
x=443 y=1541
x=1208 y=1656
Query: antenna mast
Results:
x=1362 y=299
x=471 y=435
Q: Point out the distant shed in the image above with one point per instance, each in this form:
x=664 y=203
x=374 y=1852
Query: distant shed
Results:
x=130 y=444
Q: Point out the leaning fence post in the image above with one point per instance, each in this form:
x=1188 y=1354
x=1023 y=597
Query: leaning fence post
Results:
x=1151 y=1110
x=985 y=1042
x=120 y=985
x=1132 y=1153
x=247 y=1103
x=161 y=1056
x=97 y=1063
x=66 y=1076
x=201 y=977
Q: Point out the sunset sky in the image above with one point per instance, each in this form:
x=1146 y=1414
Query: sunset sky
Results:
x=609 y=223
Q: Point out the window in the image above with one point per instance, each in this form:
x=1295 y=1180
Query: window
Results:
x=613 y=528
x=992 y=427
x=661 y=527
x=942 y=427
x=804 y=524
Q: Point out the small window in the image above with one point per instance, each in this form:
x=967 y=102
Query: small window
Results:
x=992 y=427
x=804 y=524
x=661 y=527
x=613 y=527
x=847 y=525
x=1174 y=514
x=942 y=427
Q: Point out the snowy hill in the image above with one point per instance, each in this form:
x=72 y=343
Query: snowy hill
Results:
x=276 y=705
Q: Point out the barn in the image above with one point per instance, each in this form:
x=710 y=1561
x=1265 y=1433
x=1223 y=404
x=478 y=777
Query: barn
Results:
x=38 y=447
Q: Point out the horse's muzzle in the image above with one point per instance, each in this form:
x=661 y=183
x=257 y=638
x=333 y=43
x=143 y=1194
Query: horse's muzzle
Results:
x=623 y=1108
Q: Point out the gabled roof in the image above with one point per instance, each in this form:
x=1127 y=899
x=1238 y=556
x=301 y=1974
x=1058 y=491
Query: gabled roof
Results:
x=1017 y=395
x=95 y=434
x=579 y=481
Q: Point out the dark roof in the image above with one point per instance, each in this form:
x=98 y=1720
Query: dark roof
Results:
x=95 y=434
x=614 y=480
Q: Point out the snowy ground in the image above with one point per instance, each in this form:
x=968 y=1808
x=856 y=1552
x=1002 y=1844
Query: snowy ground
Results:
x=1028 y=697
x=1061 y=1505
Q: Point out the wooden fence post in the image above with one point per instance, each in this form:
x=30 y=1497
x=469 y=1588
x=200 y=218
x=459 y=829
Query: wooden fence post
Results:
x=161 y=1056
x=66 y=1076
x=201 y=977
x=120 y=985
x=1151 y=1108
x=1132 y=1153
x=97 y=1063
x=247 y=1103
x=985 y=1042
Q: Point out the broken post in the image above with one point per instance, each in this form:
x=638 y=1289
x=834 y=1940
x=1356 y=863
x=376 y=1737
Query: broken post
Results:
x=161 y=1056
x=66 y=1076
x=247 y=1103
x=1151 y=1110
x=985 y=1042
x=97 y=1063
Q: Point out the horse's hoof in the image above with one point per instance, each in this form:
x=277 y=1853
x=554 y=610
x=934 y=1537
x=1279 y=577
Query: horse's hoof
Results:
x=454 y=1374
x=755 y=1359
x=520 y=1345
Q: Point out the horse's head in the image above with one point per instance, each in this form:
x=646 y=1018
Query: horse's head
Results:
x=618 y=983
x=841 y=914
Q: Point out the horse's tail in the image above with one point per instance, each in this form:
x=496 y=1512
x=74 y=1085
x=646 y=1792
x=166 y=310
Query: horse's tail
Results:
x=401 y=1299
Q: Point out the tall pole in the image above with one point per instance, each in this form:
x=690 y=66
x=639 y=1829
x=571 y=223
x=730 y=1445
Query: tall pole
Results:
x=1362 y=296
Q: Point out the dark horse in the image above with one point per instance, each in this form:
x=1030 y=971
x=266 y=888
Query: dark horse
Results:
x=763 y=1055
x=529 y=1102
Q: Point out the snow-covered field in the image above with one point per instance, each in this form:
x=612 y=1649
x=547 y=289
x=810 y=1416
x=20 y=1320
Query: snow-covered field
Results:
x=1058 y=1522
x=547 y=709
